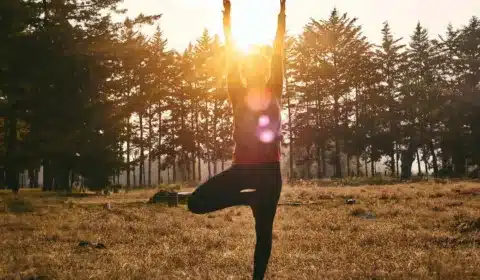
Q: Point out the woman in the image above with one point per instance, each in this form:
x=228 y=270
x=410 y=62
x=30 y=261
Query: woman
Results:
x=254 y=179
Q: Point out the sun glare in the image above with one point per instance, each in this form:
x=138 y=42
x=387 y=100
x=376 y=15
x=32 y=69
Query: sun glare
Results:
x=253 y=23
x=247 y=37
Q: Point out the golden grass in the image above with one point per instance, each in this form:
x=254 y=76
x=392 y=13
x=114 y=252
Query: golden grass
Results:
x=419 y=231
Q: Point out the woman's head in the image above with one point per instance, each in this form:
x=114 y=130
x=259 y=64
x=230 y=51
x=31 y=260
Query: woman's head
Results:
x=255 y=70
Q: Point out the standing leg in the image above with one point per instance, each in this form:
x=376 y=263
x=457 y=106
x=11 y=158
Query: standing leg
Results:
x=264 y=210
x=264 y=217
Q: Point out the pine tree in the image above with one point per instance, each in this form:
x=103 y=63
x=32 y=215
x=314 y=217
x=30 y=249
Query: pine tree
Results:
x=390 y=56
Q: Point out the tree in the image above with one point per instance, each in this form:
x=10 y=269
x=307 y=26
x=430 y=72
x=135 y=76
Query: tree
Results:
x=390 y=57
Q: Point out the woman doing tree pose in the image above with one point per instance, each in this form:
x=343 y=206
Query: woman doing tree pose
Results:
x=254 y=179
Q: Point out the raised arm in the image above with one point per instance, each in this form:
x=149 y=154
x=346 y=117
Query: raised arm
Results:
x=276 y=79
x=234 y=81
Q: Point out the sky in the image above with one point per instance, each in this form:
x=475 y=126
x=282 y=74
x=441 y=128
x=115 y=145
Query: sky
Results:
x=254 y=21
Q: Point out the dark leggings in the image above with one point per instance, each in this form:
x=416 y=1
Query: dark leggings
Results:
x=257 y=186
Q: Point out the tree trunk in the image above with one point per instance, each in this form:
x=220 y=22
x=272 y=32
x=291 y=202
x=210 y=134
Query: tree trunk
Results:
x=62 y=176
x=150 y=136
x=372 y=166
x=2 y=177
x=425 y=162
x=338 y=166
x=319 y=162
x=187 y=172
x=392 y=161
x=141 y=166
x=168 y=175
x=11 y=154
x=198 y=147
x=397 y=160
x=324 y=162
x=366 y=167
x=159 y=156
x=419 y=163
x=128 y=152
x=458 y=159
x=194 y=168
x=358 y=166
x=134 y=167
x=199 y=165
x=308 y=164
x=214 y=138
x=32 y=178
x=434 y=158
x=348 y=166
x=408 y=157
x=67 y=184
x=208 y=164
x=36 y=172
x=149 y=176
x=159 y=171
x=47 y=175
x=174 y=171
x=143 y=175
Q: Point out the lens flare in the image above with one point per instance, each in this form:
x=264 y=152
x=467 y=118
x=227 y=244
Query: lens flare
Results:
x=263 y=121
x=267 y=136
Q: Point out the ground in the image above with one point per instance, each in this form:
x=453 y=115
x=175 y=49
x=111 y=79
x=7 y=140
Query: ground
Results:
x=407 y=231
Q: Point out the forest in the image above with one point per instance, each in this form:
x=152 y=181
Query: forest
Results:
x=82 y=95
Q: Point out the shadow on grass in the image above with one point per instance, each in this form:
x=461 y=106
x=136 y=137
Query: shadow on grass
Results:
x=16 y=204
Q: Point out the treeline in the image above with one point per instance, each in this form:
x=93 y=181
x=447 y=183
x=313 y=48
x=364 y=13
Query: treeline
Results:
x=398 y=100
x=82 y=95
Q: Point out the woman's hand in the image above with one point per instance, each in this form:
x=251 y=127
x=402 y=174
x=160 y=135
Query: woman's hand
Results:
x=227 y=6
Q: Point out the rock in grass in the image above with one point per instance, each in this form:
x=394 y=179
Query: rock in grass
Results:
x=350 y=201
x=161 y=196
x=172 y=198
x=100 y=246
x=83 y=244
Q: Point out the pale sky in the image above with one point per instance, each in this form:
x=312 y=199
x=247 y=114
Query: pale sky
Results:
x=254 y=21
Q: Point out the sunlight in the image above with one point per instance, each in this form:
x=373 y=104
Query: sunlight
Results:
x=246 y=38
x=253 y=23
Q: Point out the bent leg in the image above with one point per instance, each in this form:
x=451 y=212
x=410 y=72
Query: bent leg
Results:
x=221 y=191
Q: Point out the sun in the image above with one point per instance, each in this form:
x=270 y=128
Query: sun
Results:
x=246 y=37
x=253 y=23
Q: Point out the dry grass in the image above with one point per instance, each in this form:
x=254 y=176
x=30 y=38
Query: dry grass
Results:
x=417 y=231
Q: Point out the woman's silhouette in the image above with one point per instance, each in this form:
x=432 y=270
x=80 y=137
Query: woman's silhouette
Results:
x=254 y=179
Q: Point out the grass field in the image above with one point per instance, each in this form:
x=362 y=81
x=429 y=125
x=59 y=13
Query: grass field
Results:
x=406 y=231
